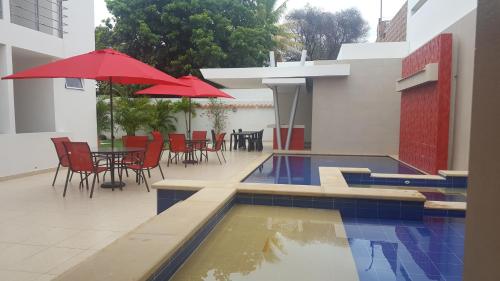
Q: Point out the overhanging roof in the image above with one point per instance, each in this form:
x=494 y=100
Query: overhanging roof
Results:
x=251 y=77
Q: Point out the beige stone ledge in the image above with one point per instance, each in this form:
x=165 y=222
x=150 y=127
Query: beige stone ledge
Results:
x=355 y=170
x=280 y=189
x=141 y=252
x=406 y=176
x=443 y=205
x=332 y=177
x=449 y=173
x=180 y=184
x=375 y=193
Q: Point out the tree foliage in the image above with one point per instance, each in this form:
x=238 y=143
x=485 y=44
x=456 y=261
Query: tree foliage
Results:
x=217 y=113
x=323 y=33
x=162 y=118
x=182 y=36
x=102 y=115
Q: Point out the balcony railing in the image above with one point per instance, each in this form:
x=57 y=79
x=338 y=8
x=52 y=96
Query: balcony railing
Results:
x=43 y=15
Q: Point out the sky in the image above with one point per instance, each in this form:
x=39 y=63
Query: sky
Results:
x=370 y=9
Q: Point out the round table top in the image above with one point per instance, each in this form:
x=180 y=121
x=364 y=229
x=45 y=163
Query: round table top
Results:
x=117 y=150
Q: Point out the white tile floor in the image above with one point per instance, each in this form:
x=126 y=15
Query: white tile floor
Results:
x=43 y=234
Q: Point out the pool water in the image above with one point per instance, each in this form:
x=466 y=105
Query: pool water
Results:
x=273 y=243
x=279 y=243
x=384 y=250
x=304 y=169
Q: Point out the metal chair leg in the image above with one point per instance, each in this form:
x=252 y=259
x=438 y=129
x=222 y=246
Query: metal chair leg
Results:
x=87 y=180
x=149 y=173
x=145 y=181
x=161 y=171
x=217 y=153
x=55 y=176
x=66 y=184
x=93 y=184
x=223 y=156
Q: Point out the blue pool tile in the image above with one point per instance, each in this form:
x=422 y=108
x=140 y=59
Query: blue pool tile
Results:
x=425 y=250
x=367 y=213
x=283 y=201
x=323 y=203
x=260 y=199
x=302 y=202
x=345 y=203
x=348 y=212
x=161 y=193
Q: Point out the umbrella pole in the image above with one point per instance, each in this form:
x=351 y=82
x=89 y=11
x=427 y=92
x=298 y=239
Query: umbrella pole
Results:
x=111 y=114
x=189 y=125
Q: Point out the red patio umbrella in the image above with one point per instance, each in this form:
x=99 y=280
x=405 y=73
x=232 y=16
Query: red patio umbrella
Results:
x=102 y=65
x=197 y=89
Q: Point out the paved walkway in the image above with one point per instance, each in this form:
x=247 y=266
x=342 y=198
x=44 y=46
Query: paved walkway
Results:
x=43 y=234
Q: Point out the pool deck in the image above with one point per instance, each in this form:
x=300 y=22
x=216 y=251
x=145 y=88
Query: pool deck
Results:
x=144 y=249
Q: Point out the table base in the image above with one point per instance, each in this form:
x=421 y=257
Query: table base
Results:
x=116 y=184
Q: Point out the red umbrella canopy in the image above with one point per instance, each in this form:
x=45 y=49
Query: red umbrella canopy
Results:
x=196 y=89
x=102 y=65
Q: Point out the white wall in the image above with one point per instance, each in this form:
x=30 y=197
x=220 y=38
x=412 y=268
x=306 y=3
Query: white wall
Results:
x=28 y=152
x=253 y=118
x=433 y=17
x=245 y=118
x=33 y=98
x=72 y=111
x=378 y=50
x=358 y=114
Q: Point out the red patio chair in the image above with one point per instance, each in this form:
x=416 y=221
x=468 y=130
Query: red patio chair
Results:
x=219 y=140
x=177 y=146
x=61 y=154
x=202 y=145
x=150 y=160
x=133 y=142
x=81 y=161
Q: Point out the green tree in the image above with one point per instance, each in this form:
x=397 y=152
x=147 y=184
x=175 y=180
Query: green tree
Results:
x=162 y=118
x=131 y=113
x=323 y=33
x=183 y=106
x=217 y=113
x=102 y=115
x=182 y=36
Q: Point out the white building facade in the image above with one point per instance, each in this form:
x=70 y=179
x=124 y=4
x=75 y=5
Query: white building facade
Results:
x=32 y=111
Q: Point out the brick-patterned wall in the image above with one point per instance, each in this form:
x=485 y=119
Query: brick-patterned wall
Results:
x=425 y=109
x=395 y=29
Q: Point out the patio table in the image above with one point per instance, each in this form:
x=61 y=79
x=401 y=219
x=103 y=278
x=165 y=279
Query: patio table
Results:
x=115 y=154
x=240 y=134
x=192 y=144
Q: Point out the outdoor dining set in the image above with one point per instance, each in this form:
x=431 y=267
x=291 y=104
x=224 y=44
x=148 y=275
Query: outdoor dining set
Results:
x=139 y=154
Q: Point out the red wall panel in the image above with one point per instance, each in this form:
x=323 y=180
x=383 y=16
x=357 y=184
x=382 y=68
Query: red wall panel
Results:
x=425 y=109
x=296 y=142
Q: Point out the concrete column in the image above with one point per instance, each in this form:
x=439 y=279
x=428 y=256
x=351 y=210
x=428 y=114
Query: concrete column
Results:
x=7 y=113
x=482 y=236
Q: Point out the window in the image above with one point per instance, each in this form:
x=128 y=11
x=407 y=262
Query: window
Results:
x=417 y=6
x=74 y=83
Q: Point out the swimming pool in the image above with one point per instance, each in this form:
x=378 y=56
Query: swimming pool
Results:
x=276 y=243
x=304 y=169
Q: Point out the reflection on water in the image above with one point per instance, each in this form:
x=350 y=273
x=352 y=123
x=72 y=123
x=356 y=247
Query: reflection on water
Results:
x=273 y=243
x=388 y=250
x=304 y=169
